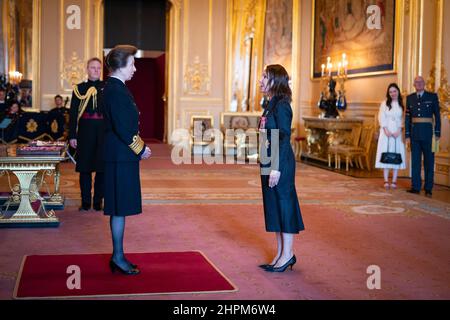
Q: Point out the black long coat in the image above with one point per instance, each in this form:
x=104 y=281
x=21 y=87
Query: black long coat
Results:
x=90 y=132
x=281 y=206
x=122 y=150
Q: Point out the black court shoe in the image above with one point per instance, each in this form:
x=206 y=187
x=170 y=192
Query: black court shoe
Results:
x=413 y=191
x=283 y=268
x=98 y=207
x=85 y=207
x=265 y=266
x=113 y=266
x=134 y=266
x=428 y=194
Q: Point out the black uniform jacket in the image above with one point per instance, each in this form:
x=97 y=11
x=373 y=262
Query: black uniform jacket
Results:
x=88 y=132
x=122 y=141
x=426 y=106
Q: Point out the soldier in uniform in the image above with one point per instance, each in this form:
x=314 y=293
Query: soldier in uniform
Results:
x=86 y=135
x=421 y=107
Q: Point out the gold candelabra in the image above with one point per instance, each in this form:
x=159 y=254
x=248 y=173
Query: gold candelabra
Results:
x=330 y=100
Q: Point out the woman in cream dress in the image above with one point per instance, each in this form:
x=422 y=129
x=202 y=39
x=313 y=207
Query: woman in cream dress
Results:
x=390 y=117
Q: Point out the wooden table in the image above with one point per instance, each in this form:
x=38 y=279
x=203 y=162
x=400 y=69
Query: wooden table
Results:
x=26 y=169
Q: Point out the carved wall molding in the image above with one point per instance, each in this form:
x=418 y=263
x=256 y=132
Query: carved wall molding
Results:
x=196 y=78
x=73 y=70
x=407 y=6
x=442 y=89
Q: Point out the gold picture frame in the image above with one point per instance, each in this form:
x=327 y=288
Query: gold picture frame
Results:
x=377 y=59
x=239 y=120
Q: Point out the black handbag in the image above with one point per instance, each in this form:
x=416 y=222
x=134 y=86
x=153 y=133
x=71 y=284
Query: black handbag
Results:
x=391 y=157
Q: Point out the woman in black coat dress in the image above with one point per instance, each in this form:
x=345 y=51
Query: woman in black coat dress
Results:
x=123 y=148
x=281 y=208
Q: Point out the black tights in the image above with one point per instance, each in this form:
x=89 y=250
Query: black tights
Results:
x=117 y=225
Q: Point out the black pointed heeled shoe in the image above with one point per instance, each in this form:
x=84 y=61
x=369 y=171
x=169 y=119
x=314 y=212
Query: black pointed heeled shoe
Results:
x=283 y=268
x=134 y=266
x=114 y=267
x=265 y=266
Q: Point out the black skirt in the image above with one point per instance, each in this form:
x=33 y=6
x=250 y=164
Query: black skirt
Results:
x=122 y=189
x=281 y=207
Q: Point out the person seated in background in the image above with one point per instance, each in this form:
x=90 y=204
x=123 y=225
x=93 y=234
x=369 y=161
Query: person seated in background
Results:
x=14 y=110
x=25 y=97
x=2 y=100
x=58 y=120
x=59 y=103
x=2 y=103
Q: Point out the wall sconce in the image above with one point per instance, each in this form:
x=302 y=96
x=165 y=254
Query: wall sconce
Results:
x=15 y=77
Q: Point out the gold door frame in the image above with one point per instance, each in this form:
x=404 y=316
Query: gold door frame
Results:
x=36 y=59
x=35 y=49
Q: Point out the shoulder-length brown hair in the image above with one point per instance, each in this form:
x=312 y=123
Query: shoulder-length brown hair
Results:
x=278 y=81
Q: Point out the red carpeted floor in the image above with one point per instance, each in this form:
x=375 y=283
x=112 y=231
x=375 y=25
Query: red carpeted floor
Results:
x=87 y=275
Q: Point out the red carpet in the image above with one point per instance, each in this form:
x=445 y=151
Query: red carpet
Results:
x=45 y=276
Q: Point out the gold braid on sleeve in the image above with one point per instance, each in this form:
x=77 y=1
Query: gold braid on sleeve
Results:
x=137 y=145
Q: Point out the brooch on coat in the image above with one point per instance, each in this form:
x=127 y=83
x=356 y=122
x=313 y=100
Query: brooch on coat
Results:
x=262 y=123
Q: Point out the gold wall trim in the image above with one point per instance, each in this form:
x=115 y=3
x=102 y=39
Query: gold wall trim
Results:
x=201 y=99
x=415 y=49
x=295 y=61
x=420 y=62
x=228 y=55
x=399 y=32
x=36 y=59
x=100 y=28
x=196 y=66
x=245 y=20
x=5 y=35
x=173 y=66
x=61 y=45
x=439 y=37
x=87 y=37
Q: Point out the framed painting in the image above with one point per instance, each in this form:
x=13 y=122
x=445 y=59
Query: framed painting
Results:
x=363 y=30
x=199 y=124
x=278 y=33
x=239 y=120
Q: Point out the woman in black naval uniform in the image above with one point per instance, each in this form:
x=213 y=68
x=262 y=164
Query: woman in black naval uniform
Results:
x=281 y=208
x=123 y=148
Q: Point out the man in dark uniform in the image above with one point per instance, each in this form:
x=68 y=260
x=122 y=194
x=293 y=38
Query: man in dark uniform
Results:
x=421 y=106
x=56 y=119
x=86 y=135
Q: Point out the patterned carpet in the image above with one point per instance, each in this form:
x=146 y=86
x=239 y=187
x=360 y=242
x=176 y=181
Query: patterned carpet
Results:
x=350 y=223
x=164 y=183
